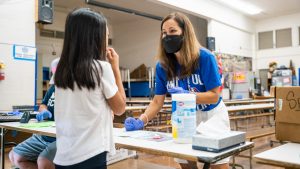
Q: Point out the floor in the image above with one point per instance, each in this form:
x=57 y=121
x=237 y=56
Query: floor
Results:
x=147 y=161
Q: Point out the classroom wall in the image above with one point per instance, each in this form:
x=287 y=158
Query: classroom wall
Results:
x=200 y=27
x=137 y=41
x=45 y=47
x=281 y=55
x=17 y=26
x=211 y=10
x=233 y=31
x=230 y=40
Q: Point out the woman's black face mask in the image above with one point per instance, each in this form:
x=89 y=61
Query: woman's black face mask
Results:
x=172 y=43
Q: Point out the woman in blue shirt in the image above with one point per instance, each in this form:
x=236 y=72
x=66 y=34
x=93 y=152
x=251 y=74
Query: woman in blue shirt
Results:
x=184 y=66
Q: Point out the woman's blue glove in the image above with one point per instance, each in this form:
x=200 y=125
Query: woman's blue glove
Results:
x=45 y=114
x=132 y=124
x=177 y=90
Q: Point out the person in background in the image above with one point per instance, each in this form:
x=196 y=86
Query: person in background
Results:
x=184 y=66
x=88 y=88
x=272 y=68
x=38 y=151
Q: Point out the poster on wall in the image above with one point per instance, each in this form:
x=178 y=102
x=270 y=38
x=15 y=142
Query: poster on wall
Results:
x=239 y=77
x=24 y=53
x=235 y=68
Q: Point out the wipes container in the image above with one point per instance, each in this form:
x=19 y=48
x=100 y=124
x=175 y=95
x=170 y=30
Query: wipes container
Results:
x=183 y=117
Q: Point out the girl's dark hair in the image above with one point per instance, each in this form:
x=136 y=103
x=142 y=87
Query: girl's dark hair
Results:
x=84 y=44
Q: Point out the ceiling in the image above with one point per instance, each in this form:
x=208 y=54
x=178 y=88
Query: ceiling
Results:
x=274 y=8
x=117 y=16
x=271 y=8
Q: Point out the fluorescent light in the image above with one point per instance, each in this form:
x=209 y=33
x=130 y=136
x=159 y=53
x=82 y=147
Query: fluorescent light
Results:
x=242 y=6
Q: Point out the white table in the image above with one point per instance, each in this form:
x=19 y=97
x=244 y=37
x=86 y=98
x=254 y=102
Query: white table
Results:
x=287 y=156
x=166 y=148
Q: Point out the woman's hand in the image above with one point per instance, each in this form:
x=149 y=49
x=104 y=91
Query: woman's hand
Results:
x=113 y=58
x=132 y=124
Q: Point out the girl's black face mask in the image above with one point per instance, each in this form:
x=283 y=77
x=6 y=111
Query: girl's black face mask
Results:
x=172 y=43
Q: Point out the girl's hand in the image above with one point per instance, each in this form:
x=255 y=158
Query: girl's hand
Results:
x=113 y=58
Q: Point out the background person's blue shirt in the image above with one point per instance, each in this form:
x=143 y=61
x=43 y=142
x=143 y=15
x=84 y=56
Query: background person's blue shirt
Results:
x=206 y=77
x=49 y=100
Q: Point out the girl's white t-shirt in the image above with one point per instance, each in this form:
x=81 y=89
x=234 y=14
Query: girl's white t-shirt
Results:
x=84 y=124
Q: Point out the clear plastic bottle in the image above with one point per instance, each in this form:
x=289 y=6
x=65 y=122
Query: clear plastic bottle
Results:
x=183 y=117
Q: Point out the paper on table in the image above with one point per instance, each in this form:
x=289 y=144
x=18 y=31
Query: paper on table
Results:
x=38 y=125
x=144 y=135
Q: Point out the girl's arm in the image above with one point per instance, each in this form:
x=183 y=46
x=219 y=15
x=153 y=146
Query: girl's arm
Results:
x=118 y=102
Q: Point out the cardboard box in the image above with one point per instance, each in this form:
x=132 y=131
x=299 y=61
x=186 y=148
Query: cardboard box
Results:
x=272 y=91
x=140 y=72
x=287 y=116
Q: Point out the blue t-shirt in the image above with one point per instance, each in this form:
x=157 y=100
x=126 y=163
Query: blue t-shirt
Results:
x=49 y=100
x=206 y=77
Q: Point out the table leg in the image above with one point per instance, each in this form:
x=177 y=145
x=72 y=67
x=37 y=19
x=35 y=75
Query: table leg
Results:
x=2 y=148
x=250 y=158
x=233 y=161
x=206 y=166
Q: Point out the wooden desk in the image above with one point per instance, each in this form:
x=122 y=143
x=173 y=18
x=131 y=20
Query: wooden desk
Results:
x=230 y=109
x=287 y=156
x=231 y=102
x=263 y=97
x=250 y=107
x=227 y=102
x=166 y=148
x=135 y=108
x=145 y=102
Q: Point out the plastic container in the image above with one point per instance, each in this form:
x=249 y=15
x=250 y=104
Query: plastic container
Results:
x=183 y=117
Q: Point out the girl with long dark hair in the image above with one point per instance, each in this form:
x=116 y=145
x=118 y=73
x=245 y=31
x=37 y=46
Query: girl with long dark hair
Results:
x=88 y=92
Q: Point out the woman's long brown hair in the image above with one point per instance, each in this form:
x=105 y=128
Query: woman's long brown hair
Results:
x=189 y=51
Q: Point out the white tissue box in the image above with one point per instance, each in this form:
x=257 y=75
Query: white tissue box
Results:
x=218 y=143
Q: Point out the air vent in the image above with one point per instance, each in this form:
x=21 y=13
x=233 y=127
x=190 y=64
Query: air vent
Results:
x=52 y=34
x=59 y=34
x=265 y=40
x=47 y=33
x=283 y=38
